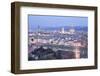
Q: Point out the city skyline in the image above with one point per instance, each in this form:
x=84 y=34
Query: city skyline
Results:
x=45 y=21
x=50 y=37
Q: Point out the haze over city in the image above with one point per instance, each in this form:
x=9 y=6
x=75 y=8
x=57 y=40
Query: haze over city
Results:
x=55 y=22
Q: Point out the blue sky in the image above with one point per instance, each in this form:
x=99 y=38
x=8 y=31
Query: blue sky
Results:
x=55 y=21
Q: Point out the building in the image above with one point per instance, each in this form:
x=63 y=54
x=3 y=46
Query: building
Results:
x=71 y=31
x=62 y=30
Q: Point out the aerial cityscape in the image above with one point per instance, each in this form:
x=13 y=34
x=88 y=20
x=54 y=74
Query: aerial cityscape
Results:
x=56 y=40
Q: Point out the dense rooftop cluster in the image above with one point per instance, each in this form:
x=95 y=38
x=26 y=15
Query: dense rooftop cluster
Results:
x=44 y=45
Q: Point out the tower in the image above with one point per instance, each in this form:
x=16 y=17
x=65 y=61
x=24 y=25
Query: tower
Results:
x=62 y=30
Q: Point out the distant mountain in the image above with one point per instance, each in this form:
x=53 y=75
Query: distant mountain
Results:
x=79 y=28
x=52 y=28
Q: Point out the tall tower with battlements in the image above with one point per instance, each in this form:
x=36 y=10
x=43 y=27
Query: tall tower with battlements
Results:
x=62 y=30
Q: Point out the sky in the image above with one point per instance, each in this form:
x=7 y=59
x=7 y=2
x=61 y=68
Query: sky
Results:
x=45 y=21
